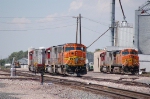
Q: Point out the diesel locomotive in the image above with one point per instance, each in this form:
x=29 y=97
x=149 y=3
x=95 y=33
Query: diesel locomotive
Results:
x=64 y=59
x=121 y=61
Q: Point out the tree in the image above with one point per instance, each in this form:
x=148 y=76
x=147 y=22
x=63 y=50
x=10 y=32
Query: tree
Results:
x=97 y=50
x=2 y=62
x=18 y=55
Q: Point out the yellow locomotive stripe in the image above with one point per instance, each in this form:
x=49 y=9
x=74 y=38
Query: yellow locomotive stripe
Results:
x=74 y=57
x=70 y=61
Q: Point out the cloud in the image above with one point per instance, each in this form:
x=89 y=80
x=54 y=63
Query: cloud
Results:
x=103 y=6
x=75 y=5
x=90 y=7
x=48 y=18
x=20 y=22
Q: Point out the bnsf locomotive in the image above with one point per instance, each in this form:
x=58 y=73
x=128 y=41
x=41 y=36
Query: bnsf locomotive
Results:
x=63 y=59
x=122 y=61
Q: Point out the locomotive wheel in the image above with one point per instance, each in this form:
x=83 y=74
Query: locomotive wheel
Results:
x=64 y=71
x=122 y=71
x=101 y=69
x=29 y=69
x=107 y=69
x=133 y=72
x=78 y=75
x=111 y=71
x=46 y=70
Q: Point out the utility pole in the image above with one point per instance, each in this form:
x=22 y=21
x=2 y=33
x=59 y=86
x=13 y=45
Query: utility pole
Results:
x=78 y=19
x=77 y=29
x=112 y=21
x=80 y=26
x=77 y=32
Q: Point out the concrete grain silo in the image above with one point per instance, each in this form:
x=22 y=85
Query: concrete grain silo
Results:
x=123 y=35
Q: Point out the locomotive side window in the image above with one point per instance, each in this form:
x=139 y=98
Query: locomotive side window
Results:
x=69 y=48
x=125 y=53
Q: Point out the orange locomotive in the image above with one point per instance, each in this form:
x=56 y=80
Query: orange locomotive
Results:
x=122 y=61
x=66 y=59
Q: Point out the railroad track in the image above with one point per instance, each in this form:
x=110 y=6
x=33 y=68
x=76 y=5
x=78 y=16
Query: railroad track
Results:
x=94 y=88
x=120 y=81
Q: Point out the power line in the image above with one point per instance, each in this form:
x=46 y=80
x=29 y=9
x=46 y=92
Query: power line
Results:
x=40 y=29
x=37 y=17
x=90 y=29
x=98 y=38
x=34 y=22
x=96 y=21
x=54 y=27
x=13 y=30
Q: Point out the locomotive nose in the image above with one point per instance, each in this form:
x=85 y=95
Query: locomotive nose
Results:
x=131 y=56
x=131 y=60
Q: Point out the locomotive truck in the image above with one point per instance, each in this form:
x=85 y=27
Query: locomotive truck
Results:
x=61 y=59
x=120 y=61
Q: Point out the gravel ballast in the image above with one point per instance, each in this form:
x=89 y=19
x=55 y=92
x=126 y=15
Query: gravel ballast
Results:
x=25 y=89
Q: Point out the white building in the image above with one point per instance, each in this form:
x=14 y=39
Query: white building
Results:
x=144 y=62
x=97 y=61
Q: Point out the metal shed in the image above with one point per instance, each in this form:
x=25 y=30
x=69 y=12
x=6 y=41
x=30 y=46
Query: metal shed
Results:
x=23 y=62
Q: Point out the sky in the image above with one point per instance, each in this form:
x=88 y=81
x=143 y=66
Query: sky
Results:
x=45 y=23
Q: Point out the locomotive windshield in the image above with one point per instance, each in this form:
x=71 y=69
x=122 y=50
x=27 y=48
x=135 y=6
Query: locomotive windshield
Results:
x=80 y=48
x=69 y=48
x=133 y=52
x=125 y=53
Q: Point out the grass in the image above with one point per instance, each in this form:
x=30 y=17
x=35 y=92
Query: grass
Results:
x=3 y=68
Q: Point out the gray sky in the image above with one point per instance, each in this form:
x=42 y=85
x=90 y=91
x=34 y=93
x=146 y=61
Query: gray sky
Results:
x=45 y=23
